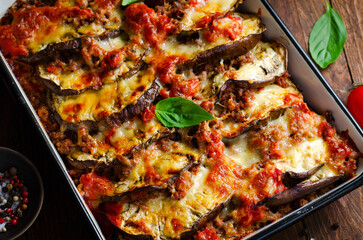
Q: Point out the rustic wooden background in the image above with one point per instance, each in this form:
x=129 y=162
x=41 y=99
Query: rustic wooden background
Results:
x=61 y=218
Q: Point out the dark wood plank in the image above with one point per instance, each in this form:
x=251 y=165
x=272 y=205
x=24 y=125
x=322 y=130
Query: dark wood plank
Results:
x=341 y=219
x=296 y=232
x=352 y=15
x=60 y=217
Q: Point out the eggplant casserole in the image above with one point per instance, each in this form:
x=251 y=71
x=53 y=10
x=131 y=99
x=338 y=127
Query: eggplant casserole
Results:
x=94 y=71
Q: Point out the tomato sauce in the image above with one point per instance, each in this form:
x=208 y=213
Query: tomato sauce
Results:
x=227 y=27
x=148 y=114
x=144 y=21
x=186 y=89
x=94 y=186
x=249 y=212
x=207 y=234
x=341 y=149
x=27 y=24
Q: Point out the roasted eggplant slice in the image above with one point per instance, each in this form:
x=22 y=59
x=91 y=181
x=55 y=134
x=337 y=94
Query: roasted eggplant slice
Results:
x=131 y=136
x=264 y=63
x=290 y=141
x=54 y=50
x=158 y=166
x=299 y=191
x=83 y=79
x=239 y=108
x=211 y=46
x=163 y=217
x=105 y=60
x=120 y=100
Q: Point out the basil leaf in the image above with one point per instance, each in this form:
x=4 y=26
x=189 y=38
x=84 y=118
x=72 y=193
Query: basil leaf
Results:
x=128 y=2
x=180 y=112
x=327 y=38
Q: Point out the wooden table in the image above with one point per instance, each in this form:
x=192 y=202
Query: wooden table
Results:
x=61 y=218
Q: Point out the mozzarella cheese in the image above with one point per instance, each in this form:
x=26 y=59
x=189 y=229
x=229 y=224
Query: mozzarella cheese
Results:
x=112 y=98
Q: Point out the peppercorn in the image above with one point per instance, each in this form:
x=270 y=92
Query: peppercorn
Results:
x=3 y=229
x=5 y=189
x=25 y=200
x=25 y=194
x=12 y=171
x=24 y=206
x=7 y=219
x=14 y=222
x=12 y=192
x=8 y=210
x=2 y=220
x=4 y=201
x=15 y=198
x=8 y=226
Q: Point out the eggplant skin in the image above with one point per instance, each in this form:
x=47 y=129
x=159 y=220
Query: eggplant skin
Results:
x=299 y=191
x=225 y=51
x=290 y=178
x=132 y=110
x=51 y=51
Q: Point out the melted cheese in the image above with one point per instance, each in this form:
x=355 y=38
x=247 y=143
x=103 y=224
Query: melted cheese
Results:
x=266 y=100
x=298 y=157
x=251 y=25
x=112 y=98
x=204 y=8
x=135 y=132
x=58 y=33
x=155 y=166
x=82 y=78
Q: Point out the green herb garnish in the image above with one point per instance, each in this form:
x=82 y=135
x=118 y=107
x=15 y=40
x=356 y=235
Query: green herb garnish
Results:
x=180 y=112
x=327 y=38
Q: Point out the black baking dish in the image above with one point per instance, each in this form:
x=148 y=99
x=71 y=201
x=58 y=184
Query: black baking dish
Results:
x=305 y=74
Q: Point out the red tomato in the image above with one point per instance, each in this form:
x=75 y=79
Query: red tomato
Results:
x=355 y=104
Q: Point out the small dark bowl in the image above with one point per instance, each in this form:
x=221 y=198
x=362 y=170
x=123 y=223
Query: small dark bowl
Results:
x=32 y=180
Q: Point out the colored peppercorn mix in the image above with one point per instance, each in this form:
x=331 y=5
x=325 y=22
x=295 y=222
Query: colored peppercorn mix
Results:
x=13 y=199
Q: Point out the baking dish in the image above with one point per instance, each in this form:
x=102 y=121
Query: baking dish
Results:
x=303 y=72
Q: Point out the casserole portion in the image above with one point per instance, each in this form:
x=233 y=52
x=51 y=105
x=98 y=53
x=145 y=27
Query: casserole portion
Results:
x=95 y=73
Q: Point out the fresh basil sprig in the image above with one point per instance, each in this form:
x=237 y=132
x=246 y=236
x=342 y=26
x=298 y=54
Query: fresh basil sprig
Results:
x=128 y=2
x=327 y=38
x=180 y=112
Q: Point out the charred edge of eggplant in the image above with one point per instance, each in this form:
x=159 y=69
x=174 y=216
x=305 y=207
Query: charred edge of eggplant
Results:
x=225 y=51
x=67 y=92
x=49 y=101
x=132 y=110
x=204 y=220
x=290 y=178
x=299 y=191
x=57 y=89
x=54 y=49
x=171 y=181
